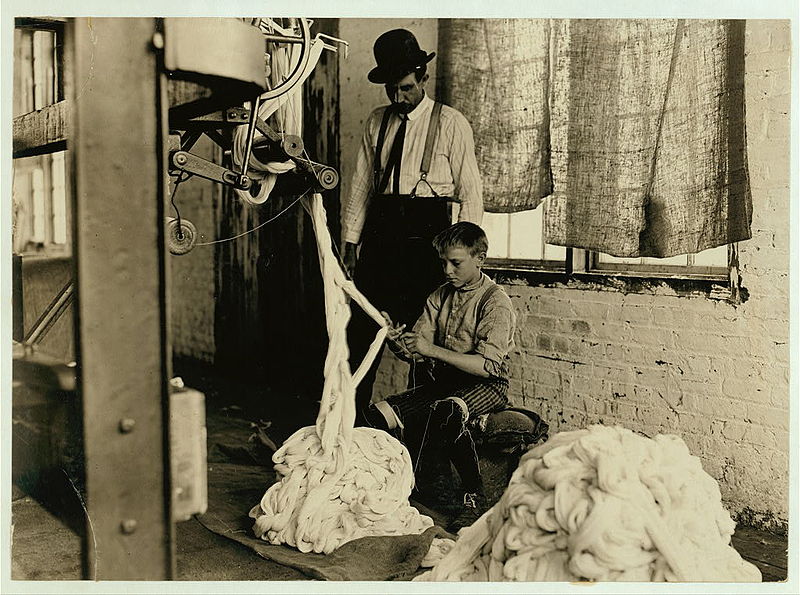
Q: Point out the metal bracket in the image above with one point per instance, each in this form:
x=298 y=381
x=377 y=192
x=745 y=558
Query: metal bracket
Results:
x=341 y=42
x=188 y=140
x=185 y=161
x=232 y=116
x=279 y=146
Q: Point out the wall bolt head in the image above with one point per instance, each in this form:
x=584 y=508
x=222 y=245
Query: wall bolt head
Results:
x=128 y=526
x=126 y=425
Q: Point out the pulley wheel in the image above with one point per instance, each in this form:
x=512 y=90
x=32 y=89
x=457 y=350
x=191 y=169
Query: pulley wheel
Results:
x=180 y=240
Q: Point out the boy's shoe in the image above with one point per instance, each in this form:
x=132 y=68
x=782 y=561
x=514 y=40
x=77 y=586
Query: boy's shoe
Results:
x=473 y=506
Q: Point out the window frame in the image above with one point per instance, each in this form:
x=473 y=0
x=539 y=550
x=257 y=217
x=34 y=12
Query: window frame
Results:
x=580 y=269
x=529 y=264
x=41 y=133
x=687 y=271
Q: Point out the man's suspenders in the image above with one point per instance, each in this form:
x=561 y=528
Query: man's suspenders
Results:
x=430 y=141
x=376 y=162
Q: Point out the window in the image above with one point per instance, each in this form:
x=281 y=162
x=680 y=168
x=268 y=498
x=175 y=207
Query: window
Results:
x=516 y=241
x=40 y=217
x=517 y=238
x=712 y=263
x=38 y=59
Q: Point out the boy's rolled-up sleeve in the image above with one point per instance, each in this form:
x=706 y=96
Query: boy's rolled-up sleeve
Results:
x=495 y=335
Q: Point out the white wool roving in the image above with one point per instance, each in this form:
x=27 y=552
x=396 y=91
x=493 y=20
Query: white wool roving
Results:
x=602 y=504
x=337 y=483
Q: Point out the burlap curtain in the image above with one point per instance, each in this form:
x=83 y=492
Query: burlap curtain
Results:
x=648 y=136
x=645 y=124
x=495 y=71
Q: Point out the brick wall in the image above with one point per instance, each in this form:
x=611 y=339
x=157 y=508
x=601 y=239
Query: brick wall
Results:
x=715 y=373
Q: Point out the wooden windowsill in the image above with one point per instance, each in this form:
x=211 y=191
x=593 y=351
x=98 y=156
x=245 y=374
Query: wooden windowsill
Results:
x=710 y=287
x=42 y=131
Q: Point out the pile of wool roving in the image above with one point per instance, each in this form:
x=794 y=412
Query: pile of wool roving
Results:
x=338 y=483
x=602 y=504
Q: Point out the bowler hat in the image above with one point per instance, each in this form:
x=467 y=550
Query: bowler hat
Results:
x=397 y=53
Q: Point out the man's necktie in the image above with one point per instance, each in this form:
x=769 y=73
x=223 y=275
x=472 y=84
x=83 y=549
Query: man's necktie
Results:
x=395 y=157
x=398 y=143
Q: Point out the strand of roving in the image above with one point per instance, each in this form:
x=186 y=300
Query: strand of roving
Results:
x=337 y=483
x=266 y=174
x=602 y=504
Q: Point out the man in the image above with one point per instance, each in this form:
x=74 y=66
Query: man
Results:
x=416 y=161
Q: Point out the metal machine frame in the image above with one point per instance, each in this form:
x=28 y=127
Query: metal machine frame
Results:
x=115 y=120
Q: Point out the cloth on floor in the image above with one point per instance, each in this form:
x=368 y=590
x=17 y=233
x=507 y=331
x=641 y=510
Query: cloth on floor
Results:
x=364 y=559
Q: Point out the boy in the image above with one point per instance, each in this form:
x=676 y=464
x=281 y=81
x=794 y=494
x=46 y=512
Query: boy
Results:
x=458 y=350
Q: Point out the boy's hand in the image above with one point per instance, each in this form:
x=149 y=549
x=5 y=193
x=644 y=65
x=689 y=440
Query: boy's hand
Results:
x=394 y=331
x=417 y=344
x=394 y=334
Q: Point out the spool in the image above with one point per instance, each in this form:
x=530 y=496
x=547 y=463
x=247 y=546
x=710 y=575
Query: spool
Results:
x=328 y=178
x=292 y=145
x=183 y=242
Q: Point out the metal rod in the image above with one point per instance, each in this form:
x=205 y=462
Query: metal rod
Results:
x=51 y=315
x=17 y=298
x=251 y=131
x=282 y=38
x=326 y=176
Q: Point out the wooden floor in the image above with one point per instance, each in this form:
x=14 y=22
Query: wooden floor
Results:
x=764 y=549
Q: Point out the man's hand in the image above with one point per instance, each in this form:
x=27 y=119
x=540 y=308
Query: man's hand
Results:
x=349 y=258
x=417 y=344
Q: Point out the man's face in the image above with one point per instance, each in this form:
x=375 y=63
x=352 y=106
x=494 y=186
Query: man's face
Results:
x=407 y=92
x=460 y=267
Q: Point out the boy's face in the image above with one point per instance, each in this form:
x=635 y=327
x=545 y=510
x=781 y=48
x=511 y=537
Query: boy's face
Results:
x=460 y=267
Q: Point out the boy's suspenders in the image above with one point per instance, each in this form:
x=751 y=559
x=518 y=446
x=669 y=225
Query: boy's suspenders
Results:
x=482 y=302
x=487 y=295
x=430 y=141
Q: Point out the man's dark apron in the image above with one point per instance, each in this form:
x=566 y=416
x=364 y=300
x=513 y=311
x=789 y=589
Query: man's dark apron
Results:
x=398 y=267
